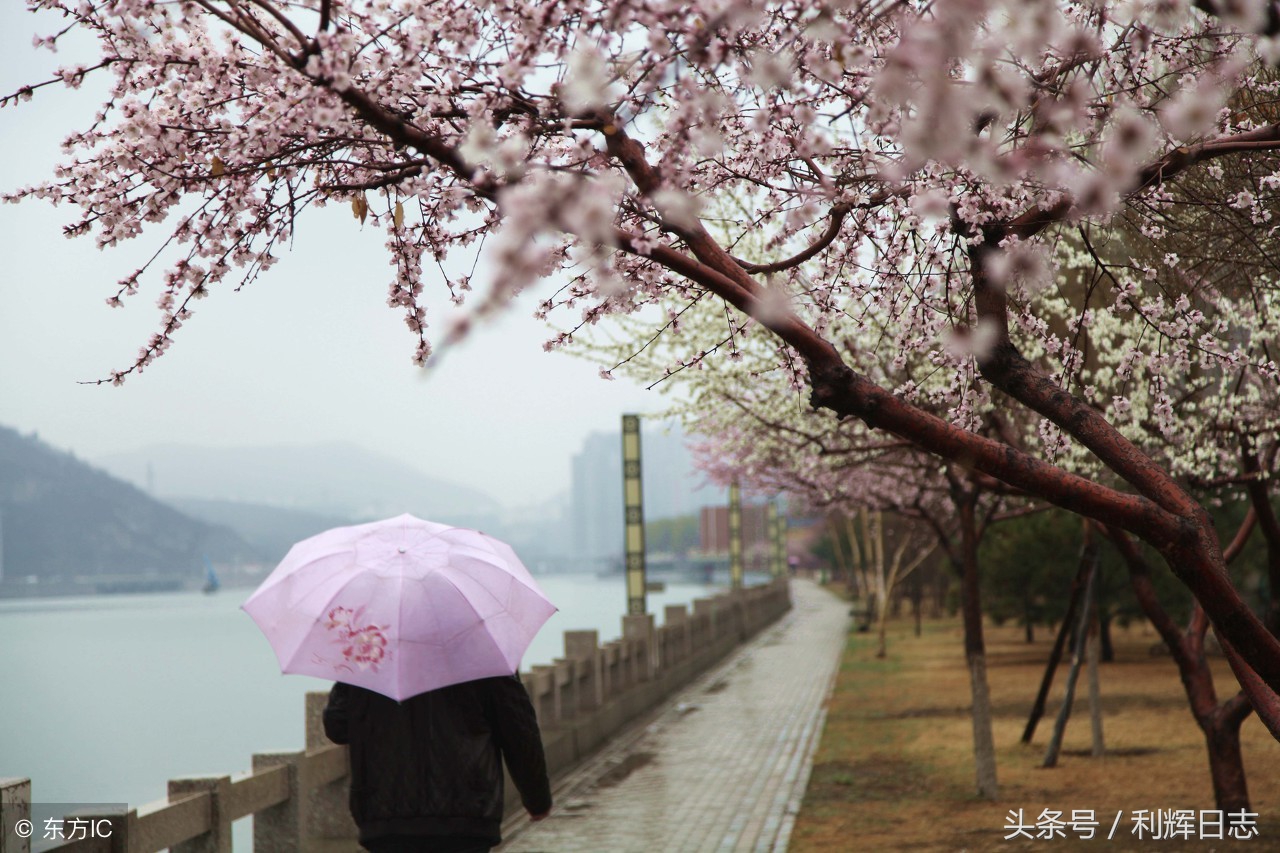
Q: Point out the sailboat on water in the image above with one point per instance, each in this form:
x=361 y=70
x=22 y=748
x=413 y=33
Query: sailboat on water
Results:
x=211 y=582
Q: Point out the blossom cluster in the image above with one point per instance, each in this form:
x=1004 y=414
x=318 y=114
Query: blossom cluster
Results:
x=877 y=172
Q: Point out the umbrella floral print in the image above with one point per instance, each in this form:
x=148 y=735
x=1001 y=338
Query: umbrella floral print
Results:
x=362 y=645
x=400 y=606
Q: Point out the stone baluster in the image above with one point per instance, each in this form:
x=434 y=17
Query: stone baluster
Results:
x=583 y=647
x=612 y=653
x=566 y=688
x=15 y=805
x=705 y=609
x=637 y=628
x=542 y=690
x=330 y=809
x=280 y=828
x=215 y=788
x=676 y=617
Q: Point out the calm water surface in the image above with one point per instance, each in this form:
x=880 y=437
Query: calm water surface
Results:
x=104 y=699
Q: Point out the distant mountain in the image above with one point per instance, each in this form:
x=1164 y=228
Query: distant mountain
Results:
x=272 y=530
x=61 y=519
x=341 y=480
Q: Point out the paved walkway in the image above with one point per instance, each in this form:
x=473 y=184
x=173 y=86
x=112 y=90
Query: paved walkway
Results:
x=722 y=766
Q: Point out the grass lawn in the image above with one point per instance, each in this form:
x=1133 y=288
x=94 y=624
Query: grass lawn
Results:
x=894 y=770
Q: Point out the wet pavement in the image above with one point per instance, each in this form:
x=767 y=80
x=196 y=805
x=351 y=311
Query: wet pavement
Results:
x=722 y=766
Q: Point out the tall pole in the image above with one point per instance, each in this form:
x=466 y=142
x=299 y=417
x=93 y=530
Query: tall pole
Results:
x=771 y=530
x=778 y=532
x=735 y=536
x=784 y=568
x=633 y=500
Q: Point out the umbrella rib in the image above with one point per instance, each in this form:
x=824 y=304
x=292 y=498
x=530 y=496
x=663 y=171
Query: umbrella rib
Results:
x=399 y=633
x=483 y=619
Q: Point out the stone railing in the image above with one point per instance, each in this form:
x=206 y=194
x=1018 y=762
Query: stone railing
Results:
x=298 y=800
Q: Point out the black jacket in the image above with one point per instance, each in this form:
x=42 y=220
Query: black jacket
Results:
x=432 y=765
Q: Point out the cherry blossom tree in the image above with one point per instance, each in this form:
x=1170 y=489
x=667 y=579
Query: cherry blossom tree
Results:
x=879 y=574
x=912 y=162
x=757 y=434
x=754 y=432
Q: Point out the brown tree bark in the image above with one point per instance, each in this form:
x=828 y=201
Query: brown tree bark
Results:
x=1092 y=653
x=1077 y=658
x=1219 y=722
x=965 y=498
x=1260 y=502
x=1087 y=559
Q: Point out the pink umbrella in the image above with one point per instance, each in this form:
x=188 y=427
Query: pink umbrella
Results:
x=400 y=606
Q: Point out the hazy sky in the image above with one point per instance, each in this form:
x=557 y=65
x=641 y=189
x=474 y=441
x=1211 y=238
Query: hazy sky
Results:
x=309 y=353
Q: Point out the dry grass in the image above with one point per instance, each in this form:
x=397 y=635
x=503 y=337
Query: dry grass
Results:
x=894 y=770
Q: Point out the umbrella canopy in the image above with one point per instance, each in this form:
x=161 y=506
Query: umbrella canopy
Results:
x=400 y=606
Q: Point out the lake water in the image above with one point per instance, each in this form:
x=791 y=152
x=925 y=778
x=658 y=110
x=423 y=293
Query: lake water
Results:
x=104 y=699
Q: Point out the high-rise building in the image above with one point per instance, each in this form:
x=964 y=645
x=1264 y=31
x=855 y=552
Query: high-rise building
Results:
x=672 y=488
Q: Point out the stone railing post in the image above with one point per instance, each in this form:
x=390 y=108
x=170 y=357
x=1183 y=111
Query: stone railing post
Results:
x=676 y=617
x=701 y=632
x=637 y=628
x=663 y=646
x=15 y=805
x=750 y=610
x=611 y=654
x=542 y=690
x=626 y=664
x=116 y=830
x=584 y=648
x=280 y=827
x=566 y=688
x=313 y=716
x=218 y=838
x=740 y=601
x=705 y=609
x=330 y=806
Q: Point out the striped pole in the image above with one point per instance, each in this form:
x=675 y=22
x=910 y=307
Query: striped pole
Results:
x=783 y=567
x=735 y=536
x=774 y=529
x=633 y=500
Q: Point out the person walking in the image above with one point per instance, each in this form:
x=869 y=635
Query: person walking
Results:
x=422 y=626
x=426 y=773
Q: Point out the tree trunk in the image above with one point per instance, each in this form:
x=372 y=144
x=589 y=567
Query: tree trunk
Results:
x=1095 y=689
x=1219 y=722
x=1226 y=762
x=1077 y=657
x=984 y=749
x=1108 y=649
x=1060 y=643
x=876 y=543
x=1258 y=488
x=843 y=569
x=984 y=744
x=917 y=603
x=1028 y=616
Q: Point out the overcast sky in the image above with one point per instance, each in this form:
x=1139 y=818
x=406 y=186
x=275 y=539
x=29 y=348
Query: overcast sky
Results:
x=309 y=353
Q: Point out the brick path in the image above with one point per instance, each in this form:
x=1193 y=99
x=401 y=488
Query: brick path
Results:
x=722 y=766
